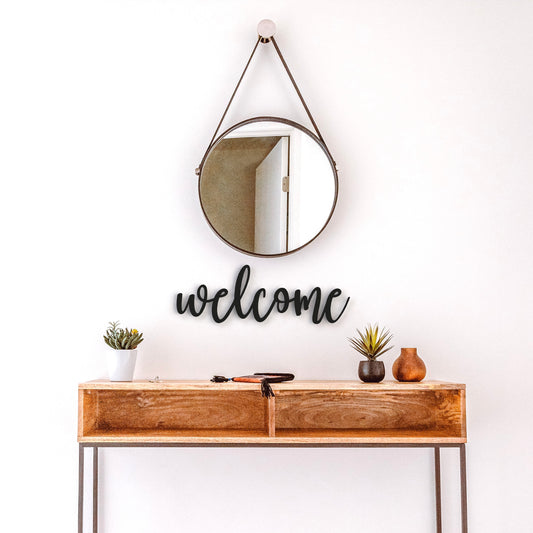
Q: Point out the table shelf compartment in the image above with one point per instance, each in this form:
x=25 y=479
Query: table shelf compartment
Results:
x=115 y=414
x=408 y=413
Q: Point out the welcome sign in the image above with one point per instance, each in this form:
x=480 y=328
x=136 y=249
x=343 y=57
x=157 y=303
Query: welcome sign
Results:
x=222 y=304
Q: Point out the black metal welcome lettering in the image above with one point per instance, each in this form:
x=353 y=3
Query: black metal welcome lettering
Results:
x=281 y=301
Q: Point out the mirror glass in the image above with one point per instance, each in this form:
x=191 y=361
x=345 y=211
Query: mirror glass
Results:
x=268 y=186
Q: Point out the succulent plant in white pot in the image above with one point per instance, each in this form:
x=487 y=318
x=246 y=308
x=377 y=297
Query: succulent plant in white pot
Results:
x=121 y=360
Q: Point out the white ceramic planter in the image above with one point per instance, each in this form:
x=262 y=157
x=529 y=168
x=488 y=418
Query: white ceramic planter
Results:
x=121 y=364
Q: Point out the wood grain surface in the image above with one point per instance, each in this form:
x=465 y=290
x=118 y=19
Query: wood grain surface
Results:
x=289 y=385
x=86 y=412
x=271 y=416
x=169 y=409
x=410 y=410
x=283 y=436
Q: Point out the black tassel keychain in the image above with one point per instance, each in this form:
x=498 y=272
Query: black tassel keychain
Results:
x=265 y=378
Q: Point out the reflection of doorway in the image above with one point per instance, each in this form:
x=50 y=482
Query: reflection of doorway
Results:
x=276 y=226
x=271 y=201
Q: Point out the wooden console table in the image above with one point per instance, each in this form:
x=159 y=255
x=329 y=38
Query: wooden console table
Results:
x=430 y=414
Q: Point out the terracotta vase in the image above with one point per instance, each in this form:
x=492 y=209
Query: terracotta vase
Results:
x=409 y=367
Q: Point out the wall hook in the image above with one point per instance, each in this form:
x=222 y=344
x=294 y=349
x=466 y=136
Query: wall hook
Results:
x=266 y=30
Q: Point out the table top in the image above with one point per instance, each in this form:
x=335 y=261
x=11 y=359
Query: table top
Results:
x=287 y=385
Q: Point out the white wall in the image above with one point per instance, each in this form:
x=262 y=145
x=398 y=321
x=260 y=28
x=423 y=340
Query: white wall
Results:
x=106 y=109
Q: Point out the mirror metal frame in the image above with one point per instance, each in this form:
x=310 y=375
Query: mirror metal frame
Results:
x=289 y=123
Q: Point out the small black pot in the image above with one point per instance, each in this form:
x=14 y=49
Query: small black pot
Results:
x=371 y=371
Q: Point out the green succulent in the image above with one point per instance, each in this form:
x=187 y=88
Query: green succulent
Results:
x=122 y=339
x=373 y=342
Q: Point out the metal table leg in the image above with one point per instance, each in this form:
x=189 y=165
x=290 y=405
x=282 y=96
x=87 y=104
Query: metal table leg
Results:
x=438 y=490
x=80 y=488
x=464 y=521
x=95 y=489
x=81 y=479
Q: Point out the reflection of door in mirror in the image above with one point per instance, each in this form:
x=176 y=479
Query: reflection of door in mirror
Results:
x=271 y=201
x=267 y=187
x=311 y=190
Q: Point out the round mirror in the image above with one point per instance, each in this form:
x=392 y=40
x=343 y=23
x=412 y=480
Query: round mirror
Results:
x=268 y=186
